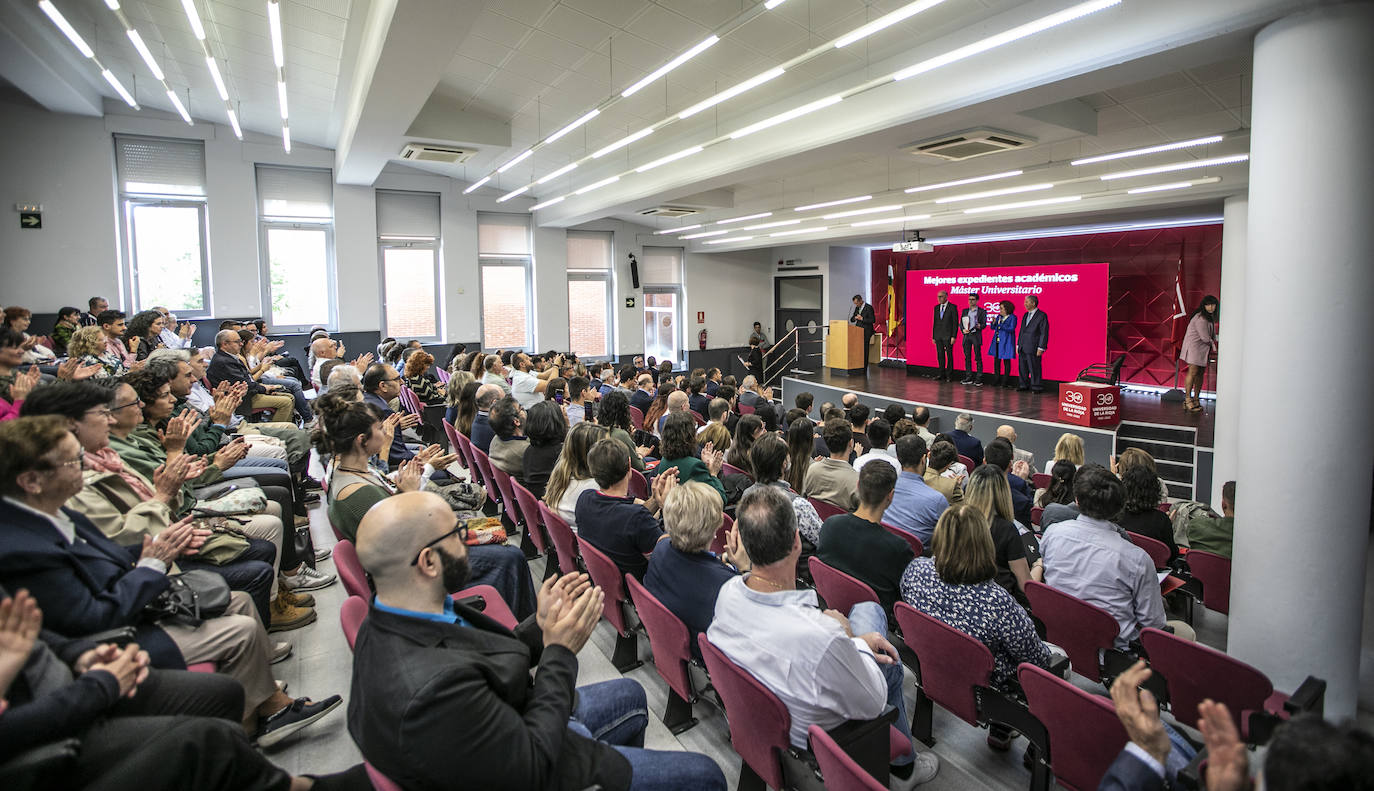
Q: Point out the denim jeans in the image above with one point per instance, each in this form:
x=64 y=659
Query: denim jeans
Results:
x=616 y=712
x=294 y=388
x=868 y=616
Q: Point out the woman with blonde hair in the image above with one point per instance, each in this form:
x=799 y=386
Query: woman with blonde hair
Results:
x=572 y=476
x=1069 y=448
x=88 y=346
x=683 y=574
x=454 y=396
x=715 y=433
x=989 y=492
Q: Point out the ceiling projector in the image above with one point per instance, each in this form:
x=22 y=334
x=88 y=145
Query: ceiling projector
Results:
x=914 y=246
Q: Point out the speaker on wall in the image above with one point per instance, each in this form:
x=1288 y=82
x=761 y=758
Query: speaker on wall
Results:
x=634 y=270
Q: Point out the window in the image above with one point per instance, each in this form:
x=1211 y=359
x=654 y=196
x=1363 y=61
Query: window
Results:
x=661 y=274
x=590 y=292
x=296 y=221
x=503 y=250
x=408 y=230
x=162 y=211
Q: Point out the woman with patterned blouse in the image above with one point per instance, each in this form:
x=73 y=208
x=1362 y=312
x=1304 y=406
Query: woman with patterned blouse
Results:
x=425 y=384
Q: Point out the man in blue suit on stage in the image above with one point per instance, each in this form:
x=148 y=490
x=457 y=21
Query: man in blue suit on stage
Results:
x=1031 y=343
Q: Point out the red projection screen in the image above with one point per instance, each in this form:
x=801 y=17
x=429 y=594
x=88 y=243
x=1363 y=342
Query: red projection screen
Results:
x=1073 y=297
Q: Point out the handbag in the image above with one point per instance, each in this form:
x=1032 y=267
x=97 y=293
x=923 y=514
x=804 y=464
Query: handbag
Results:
x=484 y=530
x=225 y=544
x=243 y=502
x=460 y=496
x=191 y=598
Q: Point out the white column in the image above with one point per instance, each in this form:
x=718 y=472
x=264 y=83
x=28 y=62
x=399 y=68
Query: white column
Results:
x=1231 y=341
x=1303 y=493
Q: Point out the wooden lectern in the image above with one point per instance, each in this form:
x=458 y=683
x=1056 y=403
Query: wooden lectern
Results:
x=845 y=354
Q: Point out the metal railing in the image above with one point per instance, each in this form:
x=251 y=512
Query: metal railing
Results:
x=782 y=356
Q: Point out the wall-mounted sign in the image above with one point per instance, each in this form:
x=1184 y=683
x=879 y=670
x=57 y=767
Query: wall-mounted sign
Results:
x=629 y=302
x=30 y=219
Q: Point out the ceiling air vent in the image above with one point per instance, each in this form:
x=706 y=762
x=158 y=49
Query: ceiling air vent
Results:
x=669 y=211
x=423 y=152
x=969 y=144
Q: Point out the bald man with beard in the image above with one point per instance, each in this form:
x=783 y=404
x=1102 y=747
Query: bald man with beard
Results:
x=442 y=692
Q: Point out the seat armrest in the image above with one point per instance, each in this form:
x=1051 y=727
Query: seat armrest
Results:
x=1310 y=696
x=119 y=636
x=868 y=742
x=33 y=769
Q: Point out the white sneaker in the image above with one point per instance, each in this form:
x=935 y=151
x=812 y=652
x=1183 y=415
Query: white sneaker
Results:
x=308 y=579
x=923 y=770
x=280 y=651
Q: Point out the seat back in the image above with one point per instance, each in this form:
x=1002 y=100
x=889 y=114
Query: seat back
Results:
x=730 y=469
x=351 y=617
x=1214 y=572
x=443 y=374
x=745 y=409
x=380 y=782
x=1041 y=480
x=455 y=441
x=529 y=511
x=483 y=462
x=759 y=722
x=1078 y=627
x=606 y=574
x=639 y=485
x=409 y=401
x=911 y=539
x=1156 y=549
x=722 y=532
x=1036 y=513
x=504 y=483
x=1084 y=732
x=700 y=421
x=669 y=638
x=825 y=510
x=563 y=538
x=350 y=570
x=840 y=590
x=952 y=662
x=841 y=772
x=636 y=417
x=1196 y=673
x=967 y=462
x=493 y=606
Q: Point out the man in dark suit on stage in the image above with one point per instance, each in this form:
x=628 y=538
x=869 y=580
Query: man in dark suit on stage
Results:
x=942 y=330
x=862 y=317
x=1031 y=343
x=971 y=323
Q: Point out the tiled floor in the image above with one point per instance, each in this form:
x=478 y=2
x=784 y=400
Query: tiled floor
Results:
x=321 y=664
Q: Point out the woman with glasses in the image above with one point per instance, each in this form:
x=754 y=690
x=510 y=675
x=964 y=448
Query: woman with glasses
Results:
x=352 y=433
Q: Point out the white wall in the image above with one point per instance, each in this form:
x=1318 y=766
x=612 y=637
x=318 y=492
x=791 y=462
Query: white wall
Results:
x=734 y=289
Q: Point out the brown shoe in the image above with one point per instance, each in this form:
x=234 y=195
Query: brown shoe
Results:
x=285 y=594
x=285 y=617
x=303 y=521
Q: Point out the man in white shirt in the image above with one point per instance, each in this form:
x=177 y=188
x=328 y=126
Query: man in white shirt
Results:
x=1008 y=433
x=826 y=668
x=528 y=387
x=719 y=410
x=174 y=335
x=879 y=432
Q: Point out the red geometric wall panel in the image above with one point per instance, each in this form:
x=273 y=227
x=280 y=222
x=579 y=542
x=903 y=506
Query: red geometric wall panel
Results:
x=1140 y=286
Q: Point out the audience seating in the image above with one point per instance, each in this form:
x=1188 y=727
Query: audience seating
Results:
x=380 y=782
x=563 y=538
x=1041 y=480
x=483 y=462
x=745 y=409
x=639 y=485
x=351 y=617
x=410 y=402
x=670 y=642
x=607 y=576
x=488 y=600
x=954 y=670
x=1083 y=630
x=350 y=570
x=1036 y=513
x=1213 y=572
x=722 y=533
x=510 y=509
x=967 y=462
x=442 y=373
x=636 y=418
x=912 y=540
x=839 y=590
x=841 y=772
x=1156 y=549
x=456 y=442
x=529 y=511
x=729 y=469
x=1084 y=732
x=825 y=510
x=701 y=421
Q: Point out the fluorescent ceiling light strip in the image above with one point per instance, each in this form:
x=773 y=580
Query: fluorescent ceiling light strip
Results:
x=476 y=184
x=1006 y=37
x=217 y=77
x=624 y=141
x=119 y=88
x=672 y=64
x=515 y=161
x=1198 y=163
x=730 y=93
x=194 y=19
x=885 y=21
x=730 y=239
x=703 y=234
x=66 y=28
x=512 y=194
x=677 y=230
x=584 y=119
x=113 y=5
x=795 y=112
x=274 y=26
x=1023 y=204
x=994 y=193
x=281 y=97
x=777 y=224
x=550 y=202
x=234 y=122
x=181 y=108
x=800 y=230
x=888 y=220
x=960 y=182
x=684 y=153
x=758 y=216
x=1178 y=185
x=771 y=4
x=855 y=212
x=144 y=52
x=597 y=185
x=557 y=173
x=286 y=138
x=839 y=202
x=1201 y=141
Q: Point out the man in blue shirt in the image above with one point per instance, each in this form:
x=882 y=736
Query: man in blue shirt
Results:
x=610 y=519
x=915 y=506
x=482 y=433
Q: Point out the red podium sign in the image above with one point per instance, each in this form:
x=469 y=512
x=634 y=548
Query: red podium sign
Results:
x=1089 y=404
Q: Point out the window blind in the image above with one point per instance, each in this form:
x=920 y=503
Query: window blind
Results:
x=408 y=214
x=295 y=192
x=661 y=266
x=160 y=166
x=503 y=234
x=589 y=251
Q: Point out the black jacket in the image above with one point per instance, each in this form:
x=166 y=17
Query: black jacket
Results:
x=438 y=706
x=225 y=366
x=862 y=317
x=944 y=328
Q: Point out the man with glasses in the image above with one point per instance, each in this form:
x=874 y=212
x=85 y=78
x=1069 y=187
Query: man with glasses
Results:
x=228 y=366
x=381 y=384
x=438 y=685
x=174 y=335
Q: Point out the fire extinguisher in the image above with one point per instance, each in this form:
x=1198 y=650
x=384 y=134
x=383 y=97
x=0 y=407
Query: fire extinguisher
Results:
x=701 y=340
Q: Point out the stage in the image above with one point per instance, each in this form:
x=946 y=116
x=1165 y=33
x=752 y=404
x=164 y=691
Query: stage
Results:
x=1180 y=442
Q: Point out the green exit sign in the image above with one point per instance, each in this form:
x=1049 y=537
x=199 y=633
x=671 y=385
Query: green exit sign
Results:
x=30 y=219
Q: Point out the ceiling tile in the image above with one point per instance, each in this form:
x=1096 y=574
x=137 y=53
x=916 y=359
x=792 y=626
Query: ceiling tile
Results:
x=668 y=29
x=465 y=68
x=1174 y=105
x=768 y=33
x=536 y=69
x=571 y=25
x=710 y=14
x=814 y=16
x=1168 y=82
x=1197 y=125
x=501 y=29
x=295 y=15
x=1116 y=118
x=615 y=12
x=1231 y=91
x=485 y=50
x=641 y=55
x=530 y=12
x=580 y=89
x=1234 y=67
x=556 y=50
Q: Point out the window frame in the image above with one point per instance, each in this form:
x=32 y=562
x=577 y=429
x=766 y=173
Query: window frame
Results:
x=679 y=290
x=525 y=263
x=127 y=201
x=265 y=225
x=433 y=245
x=607 y=276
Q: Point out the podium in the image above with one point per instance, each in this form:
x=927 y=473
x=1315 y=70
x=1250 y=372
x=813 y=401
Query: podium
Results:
x=844 y=353
x=1089 y=404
